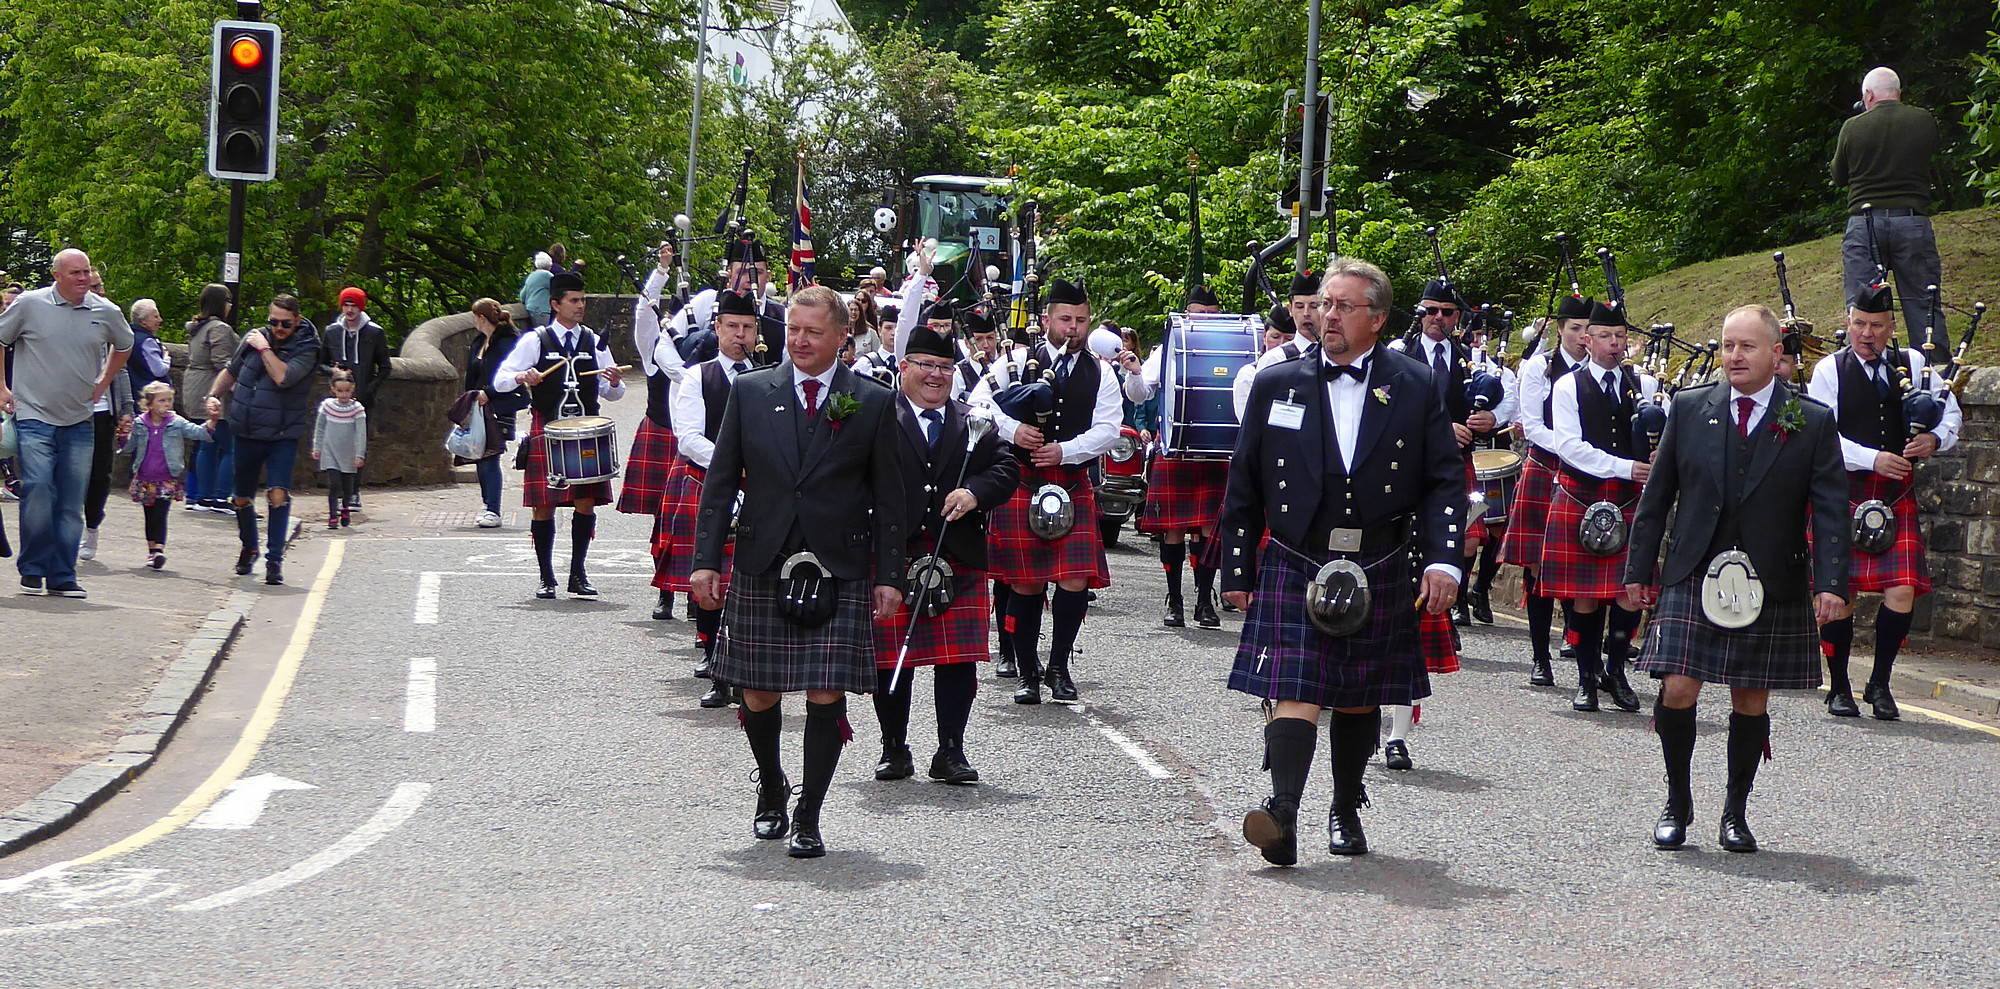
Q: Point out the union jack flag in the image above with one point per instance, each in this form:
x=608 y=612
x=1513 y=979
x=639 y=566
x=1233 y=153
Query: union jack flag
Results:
x=800 y=272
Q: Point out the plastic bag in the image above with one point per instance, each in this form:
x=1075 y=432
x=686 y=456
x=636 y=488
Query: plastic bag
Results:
x=468 y=441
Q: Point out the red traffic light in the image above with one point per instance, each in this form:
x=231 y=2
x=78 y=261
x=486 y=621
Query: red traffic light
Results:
x=246 y=53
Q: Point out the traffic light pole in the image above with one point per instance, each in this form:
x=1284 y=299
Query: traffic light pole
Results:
x=232 y=254
x=1309 y=126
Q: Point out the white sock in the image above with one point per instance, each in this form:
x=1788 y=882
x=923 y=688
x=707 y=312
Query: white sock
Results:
x=1399 y=721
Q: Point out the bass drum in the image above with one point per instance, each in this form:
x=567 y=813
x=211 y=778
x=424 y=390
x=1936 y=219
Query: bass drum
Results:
x=1202 y=354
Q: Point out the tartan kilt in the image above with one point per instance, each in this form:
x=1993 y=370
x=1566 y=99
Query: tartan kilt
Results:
x=682 y=508
x=1475 y=525
x=654 y=450
x=535 y=490
x=1283 y=656
x=759 y=650
x=1437 y=640
x=1904 y=565
x=1018 y=556
x=1779 y=651
x=1183 y=494
x=1568 y=571
x=1522 y=545
x=957 y=636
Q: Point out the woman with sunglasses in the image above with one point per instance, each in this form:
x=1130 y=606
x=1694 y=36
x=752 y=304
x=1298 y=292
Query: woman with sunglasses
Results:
x=269 y=384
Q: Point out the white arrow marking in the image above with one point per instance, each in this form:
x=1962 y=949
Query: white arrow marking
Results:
x=244 y=802
x=401 y=805
x=427 y=600
x=420 y=710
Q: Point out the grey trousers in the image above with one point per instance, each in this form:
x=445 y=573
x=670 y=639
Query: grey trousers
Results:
x=1908 y=248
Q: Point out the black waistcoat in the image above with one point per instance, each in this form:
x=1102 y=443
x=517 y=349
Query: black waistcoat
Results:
x=1076 y=399
x=547 y=397
x=715 y=396
x=1864 y=416
x=1606 y=425
x=659 y=391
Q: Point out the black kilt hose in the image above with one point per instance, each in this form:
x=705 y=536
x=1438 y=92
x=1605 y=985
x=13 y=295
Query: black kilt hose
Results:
x=647 y=469
x=957 y=636
x=1527 y=515
x=1018 y=556
x=1284 y=657
x=1778 y=651
x=760 y=650
x=535 y=490
x=1183 y=494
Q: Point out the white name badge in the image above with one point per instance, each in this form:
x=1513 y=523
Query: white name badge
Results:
x=1286 y=415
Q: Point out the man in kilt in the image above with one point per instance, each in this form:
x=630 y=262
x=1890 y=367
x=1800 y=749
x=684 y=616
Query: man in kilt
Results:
x=811 y=446
x=1059 y=450
x=1592 y=408
x=1865 y=385
x=1522 y=546
x=1740 y=462
x=699 y=401
x=1346 y=454
x=567 y=370
x=949 y=485
x=1183 y=494
x=653 y=444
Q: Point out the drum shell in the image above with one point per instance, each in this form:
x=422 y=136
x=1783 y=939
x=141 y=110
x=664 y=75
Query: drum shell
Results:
x=1497 y=472
x=1201 y=355
x=581 y=450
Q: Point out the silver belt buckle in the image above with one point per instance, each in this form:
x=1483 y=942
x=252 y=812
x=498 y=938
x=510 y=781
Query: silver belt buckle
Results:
x=1343 y=541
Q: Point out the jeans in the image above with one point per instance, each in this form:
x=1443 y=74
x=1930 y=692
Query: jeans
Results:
x=266 y=461
x=489 y=482
x=55 y=469
x=1908 y=248
x=99 y=488
x=214 y=467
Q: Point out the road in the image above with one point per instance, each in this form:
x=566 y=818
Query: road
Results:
x=443 y=782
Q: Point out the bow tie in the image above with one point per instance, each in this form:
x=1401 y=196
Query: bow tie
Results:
x=1356 y=371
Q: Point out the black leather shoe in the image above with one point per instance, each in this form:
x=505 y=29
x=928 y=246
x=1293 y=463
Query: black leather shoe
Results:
x=1482 y=607
x=805 y=842
x=1396 y=754
x=1175 y=618
x=1461 y=616
x=1735 y=832
x=770 y=823
x=1204 y=613
x=244 y=558
x=1672 y=829
x=1543 y=676
x=949 y=766
x=1883 y=703
x=1623 y=697
x=1840 y=704
x=1273 y=829
x=1343 y=832
x=895 y=764
x=1030 y=692
x=1062 y=689
x=1585 y=699
x=664 y=611
x=1567 y=653
x=546 y=590
x=701 y=670
x=1006 y=669
x=717 y=696
x=274 y=574
x=1228 y=609
x=579 y=586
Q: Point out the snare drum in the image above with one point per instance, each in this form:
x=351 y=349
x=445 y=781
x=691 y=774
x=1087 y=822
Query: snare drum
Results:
x=1496 y=472
x=581 y=450
x=1202 y=354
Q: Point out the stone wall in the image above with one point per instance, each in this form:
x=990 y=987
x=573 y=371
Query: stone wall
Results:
x=1959 y=492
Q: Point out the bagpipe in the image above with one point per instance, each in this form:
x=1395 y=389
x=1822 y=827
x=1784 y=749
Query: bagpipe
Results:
x=1030 y=395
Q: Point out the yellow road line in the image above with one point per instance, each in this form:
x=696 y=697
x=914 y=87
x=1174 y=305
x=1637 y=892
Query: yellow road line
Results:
x=259 y=728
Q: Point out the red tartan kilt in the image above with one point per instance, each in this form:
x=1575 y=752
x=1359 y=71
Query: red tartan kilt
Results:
x=1568 y=571
x=654 y=450
x=535 y=490
x=957 y=636
x=1904 y=565
x=682 y=508
x=1183 y=494
x=1522 y=545
x=1475 y=526
x=1437 y=641
x=1018 y=556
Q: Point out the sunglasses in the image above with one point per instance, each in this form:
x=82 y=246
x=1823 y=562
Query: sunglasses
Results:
x=284 y=324
x=1436 y=311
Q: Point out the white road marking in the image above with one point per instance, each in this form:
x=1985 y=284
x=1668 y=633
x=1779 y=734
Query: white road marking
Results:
x=420 y=710
x=1127 y=746
x=401 y=805
x=243 y=802
x=648 y=574
x=427 y=598
x=60 y=925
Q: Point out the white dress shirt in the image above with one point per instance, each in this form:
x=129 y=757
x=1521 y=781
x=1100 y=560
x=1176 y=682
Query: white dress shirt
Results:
x=657 y=350
x=690 y=410
x=907 y=313
x=1106 y=416
x=1346 y=401
x=1143 y=386
x=1534 y=385
x=527 y=353
x=1240 y=387
x=1570 y=444
x=825 y=379
x=1825 y=387
x=1761 y=400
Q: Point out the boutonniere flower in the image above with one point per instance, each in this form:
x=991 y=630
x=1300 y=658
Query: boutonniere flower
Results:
x=1382 y=395
x=840 y=406
x=1790 y=419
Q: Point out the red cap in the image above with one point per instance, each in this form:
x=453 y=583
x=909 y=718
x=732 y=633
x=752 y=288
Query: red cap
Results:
x=354 y=295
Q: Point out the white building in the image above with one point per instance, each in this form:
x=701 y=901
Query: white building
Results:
x=745 y=56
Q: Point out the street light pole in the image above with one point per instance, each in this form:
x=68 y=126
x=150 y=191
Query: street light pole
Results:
x=1307 y=137
x=694 y=122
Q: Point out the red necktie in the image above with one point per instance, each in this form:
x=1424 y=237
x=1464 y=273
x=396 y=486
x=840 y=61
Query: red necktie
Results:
x=811 y=385
x=1744 y=406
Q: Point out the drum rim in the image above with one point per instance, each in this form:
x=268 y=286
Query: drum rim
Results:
x=1499 y=472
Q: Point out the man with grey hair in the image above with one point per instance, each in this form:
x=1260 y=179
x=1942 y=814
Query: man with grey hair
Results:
x=1883 y=157
x=59 y=337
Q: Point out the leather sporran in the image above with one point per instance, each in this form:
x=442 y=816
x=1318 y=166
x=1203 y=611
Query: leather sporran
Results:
x=1051 y=513
x=1874 y=527
x=1602 y=529
x=1732 y=596
x=1338 y=599
x=808 y=596
x=930 y=578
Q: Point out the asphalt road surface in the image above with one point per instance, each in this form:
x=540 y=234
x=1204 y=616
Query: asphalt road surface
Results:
x=412 y=773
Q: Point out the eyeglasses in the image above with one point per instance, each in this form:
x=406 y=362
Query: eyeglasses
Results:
x=929 y=367
x=1436 y=311
x=284 y=324
x=1348 y=308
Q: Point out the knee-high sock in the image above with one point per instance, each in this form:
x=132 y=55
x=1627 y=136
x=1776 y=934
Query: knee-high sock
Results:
x=1589 y=631
x=544 y=533
x=1619 y=626
x=1836 y=642
x=706 y=624
x=826 y=733
x=1204 y=575
x=1172 y=555
x=1489 y=565
x=1068 y=609
x=277 y=528
x=1891 y=627
x=1541 y=615
x=1001 y=594
x=1024 y=613
x=1401 y=717
x=957 y=684
x=892 y=710
x=1354 y=738
x=246 y=527
x=761 y=728
x=1288 y=749
x=1675 y=726
x=1749 y=734
x=581 y=528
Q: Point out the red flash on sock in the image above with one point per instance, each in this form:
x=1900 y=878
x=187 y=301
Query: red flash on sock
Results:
x=1007 y=624
x=847 y=732
x=742 y=718
x=1826 y=649
x=1570 y=638
x=1416 y=714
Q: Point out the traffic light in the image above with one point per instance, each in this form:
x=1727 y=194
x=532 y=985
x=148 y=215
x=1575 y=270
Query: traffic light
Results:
x=243 y=101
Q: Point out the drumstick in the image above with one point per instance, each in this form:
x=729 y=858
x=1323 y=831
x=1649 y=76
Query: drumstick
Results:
x=553 y=368
x=621 y=367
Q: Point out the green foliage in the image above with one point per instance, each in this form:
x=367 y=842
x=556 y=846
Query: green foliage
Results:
x=1982 y=119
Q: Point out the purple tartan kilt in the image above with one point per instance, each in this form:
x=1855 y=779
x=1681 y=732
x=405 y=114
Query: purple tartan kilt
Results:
x=1904 y=564
x=957 y=636
x=647 y=469
x=1018 y=556
x=682 y=508
x=1183 y=494
x=1569 y=572
x=1528 y=514
x=535 y=490
x=759 y=650
x=1284 y=657
x=1779 y=651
